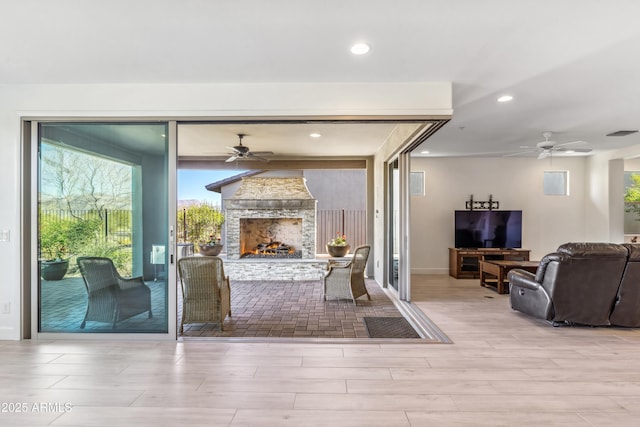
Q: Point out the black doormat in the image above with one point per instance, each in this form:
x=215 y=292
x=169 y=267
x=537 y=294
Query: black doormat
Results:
x=389 y=327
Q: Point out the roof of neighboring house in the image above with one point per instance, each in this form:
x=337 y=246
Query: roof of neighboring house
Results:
x=216 y=187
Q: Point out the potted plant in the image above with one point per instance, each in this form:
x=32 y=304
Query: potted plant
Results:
x=59 y=239
x=54 y=244
x=338 y=246
x=211 y=247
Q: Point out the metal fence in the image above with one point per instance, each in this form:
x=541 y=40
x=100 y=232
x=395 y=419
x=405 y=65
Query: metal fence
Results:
x=352 y=223
x=115 y=224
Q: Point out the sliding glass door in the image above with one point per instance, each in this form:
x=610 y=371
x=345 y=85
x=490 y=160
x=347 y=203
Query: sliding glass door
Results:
x=398 y=264
x=102 y=228
x=393 y=208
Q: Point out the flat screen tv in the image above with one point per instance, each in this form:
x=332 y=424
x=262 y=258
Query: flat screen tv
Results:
x=488 y=229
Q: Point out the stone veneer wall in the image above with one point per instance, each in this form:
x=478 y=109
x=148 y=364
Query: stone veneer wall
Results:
x=275 y=269
x=271 y=198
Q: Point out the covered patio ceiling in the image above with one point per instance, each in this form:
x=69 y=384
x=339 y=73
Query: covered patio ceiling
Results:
x=287 y=144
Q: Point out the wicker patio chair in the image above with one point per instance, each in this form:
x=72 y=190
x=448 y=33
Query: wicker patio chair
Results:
x=206 y=296
x=112 y=298
x=346 y=279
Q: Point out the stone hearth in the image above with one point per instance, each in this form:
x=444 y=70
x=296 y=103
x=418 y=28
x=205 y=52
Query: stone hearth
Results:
x=276 y=269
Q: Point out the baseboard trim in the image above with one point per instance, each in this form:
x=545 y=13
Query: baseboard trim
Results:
x=427 y=271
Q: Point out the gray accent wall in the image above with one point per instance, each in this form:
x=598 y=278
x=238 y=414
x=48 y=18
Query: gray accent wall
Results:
x=338 y=189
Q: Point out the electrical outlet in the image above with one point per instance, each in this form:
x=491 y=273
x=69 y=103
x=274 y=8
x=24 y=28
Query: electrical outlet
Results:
x=5 y=235
x=6 y=308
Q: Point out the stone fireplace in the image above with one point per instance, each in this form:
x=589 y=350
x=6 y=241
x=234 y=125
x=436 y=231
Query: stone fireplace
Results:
x=271 y=218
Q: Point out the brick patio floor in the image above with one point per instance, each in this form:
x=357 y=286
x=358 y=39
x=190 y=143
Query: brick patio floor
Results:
x=64 y=304
x=292 y=309
x=295 y=309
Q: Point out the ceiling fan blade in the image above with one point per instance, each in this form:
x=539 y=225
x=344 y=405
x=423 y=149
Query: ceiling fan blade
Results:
x=574 y=150
x=231 y=159
x=252 y=156
x=570 y=143
x=519 y=153
x=261 y=153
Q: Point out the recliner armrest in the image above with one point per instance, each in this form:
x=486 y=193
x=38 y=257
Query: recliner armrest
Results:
x=523 y=278
x=544 y=263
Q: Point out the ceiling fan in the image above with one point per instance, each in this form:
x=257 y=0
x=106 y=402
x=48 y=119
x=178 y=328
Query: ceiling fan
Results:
x=242 y=152
x=547 y=147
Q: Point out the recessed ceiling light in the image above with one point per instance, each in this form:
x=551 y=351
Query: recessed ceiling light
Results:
x=505 y=98
x=424 y=152
x=569 y=151
x=315 y=135
x=360 y=48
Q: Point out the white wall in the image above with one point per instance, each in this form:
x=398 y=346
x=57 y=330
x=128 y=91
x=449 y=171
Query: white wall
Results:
x=597 y=199
x=516 y=183
x=177 y=101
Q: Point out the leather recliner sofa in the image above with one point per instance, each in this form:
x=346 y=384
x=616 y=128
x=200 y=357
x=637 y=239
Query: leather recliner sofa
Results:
x=594 y=284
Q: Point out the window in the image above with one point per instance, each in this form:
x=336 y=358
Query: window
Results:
x=416 y=183
x=632 y=205
x=556 y=183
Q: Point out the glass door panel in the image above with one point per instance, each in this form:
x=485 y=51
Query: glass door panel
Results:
x=394 y=223
x=102 y=227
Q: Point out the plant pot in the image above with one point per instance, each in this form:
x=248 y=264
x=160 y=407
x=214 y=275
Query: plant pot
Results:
x=338 y=251
x=210 y=250
x=53 y=270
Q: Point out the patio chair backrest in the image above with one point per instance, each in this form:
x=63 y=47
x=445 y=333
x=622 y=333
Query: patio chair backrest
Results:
x=200 y=276
x=359 y=261
x=98 y=273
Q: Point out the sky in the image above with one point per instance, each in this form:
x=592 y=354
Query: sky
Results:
x=191 y=184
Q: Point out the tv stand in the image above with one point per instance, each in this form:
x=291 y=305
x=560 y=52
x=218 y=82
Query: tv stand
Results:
x=464 y=263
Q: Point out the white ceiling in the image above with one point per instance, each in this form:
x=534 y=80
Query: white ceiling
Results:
x=285 y=140
x=573 y=66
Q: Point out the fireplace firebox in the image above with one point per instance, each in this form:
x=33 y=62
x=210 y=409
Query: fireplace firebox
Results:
x=270 y=237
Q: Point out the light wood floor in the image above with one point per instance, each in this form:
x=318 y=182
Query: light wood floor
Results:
x=503 y=369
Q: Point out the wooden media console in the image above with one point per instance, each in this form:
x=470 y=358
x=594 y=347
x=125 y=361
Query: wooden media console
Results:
x=465 y=263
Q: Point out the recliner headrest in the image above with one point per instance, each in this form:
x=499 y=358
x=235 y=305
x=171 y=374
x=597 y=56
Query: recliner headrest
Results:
x=587 y=249
x=634 y=251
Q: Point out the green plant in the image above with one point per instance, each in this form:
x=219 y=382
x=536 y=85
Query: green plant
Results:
x=339 y=240
x=632 y=195
x=202 y=222
x=121 y=256
x=54 y=239
x=62 y=237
